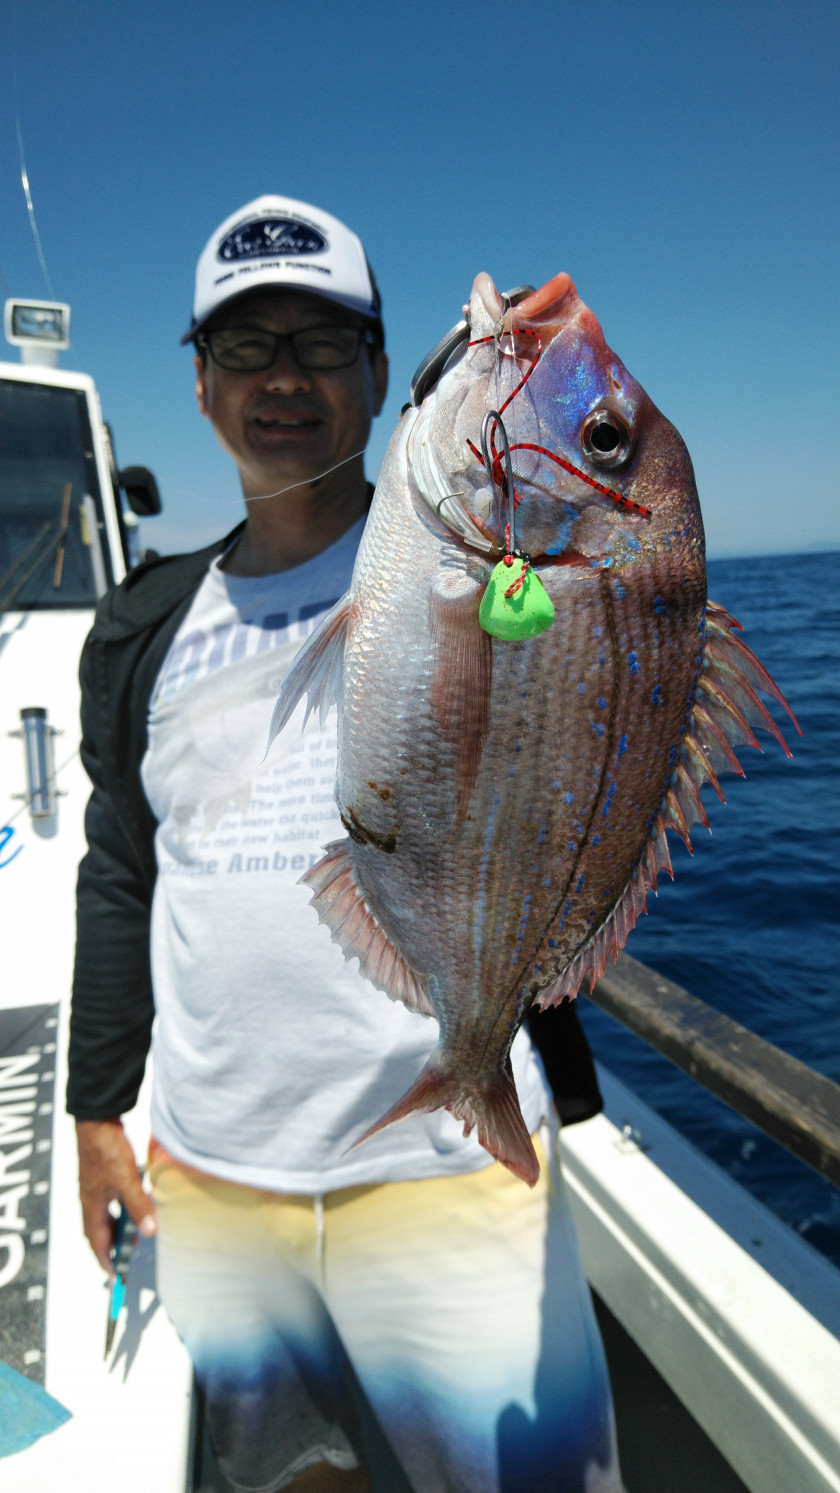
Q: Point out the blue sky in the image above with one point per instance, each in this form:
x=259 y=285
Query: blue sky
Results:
x=677 y=157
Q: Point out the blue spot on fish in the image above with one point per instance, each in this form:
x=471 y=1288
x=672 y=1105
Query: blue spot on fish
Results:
x=523 y=923
x=620 y=591
x=596 y=839
x=570 y=845
x=597 y=728
x=601 y=702
x=597 y=632
x=581 y=689
x=656 y=697
x=622 y=746
x=580 y=881
x=633 y=663
x=552 y=943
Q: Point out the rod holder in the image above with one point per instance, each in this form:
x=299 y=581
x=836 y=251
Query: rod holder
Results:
x=38 y=737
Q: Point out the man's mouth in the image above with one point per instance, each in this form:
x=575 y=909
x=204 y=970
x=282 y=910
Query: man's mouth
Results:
x=284 y=422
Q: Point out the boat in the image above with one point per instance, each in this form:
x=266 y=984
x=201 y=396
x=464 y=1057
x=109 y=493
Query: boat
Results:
x=68 y=531
x=720 y=1323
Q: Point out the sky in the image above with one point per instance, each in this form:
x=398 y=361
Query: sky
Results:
x=677 y=157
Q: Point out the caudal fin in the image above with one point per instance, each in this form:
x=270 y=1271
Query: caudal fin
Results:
x=493 y=1110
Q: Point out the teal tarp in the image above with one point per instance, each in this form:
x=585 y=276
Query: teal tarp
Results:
x=26 y=1412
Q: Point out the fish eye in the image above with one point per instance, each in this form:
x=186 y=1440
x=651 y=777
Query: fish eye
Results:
x=605 y=439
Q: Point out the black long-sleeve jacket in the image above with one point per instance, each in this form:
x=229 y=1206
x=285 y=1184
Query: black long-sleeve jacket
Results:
x=113 y=1005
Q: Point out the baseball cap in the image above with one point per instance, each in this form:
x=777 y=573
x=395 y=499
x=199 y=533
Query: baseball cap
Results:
x=276 y=243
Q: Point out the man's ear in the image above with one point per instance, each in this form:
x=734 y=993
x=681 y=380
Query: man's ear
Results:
x=380 y=380
x=201 y=384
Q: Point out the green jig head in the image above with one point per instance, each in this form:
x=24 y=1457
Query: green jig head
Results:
x=516 y=604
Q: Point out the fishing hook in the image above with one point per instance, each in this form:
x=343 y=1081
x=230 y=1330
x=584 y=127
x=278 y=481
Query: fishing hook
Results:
x=489 y=462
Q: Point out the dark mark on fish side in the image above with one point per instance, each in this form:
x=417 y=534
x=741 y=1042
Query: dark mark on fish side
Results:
x=364 y=836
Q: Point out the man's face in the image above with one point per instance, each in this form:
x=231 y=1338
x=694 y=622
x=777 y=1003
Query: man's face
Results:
x=288 y=424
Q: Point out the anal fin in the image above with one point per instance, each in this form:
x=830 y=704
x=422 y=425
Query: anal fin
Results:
x=341 y=906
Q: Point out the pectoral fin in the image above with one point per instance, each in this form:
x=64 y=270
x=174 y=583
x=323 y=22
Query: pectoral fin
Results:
x=462 y=654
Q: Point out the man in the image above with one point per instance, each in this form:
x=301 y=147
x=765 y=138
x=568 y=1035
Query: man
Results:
x=412 y=1277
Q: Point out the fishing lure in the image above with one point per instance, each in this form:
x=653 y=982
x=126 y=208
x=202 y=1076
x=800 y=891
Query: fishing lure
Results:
x=515 y=604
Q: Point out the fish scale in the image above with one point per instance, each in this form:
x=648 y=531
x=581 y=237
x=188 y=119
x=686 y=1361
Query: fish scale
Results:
x=507 y=803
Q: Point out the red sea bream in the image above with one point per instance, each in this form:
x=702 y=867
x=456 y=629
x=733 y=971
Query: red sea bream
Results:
x=506 y=797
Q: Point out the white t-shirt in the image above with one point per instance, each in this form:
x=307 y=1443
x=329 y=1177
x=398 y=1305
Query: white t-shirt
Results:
x=271 y=1054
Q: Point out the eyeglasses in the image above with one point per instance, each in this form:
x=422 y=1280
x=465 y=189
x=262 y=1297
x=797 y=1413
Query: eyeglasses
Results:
x=250 y=350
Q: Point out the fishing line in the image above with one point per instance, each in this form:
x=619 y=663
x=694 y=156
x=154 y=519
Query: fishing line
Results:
x=29 y=797
x=24 y=178
x=306 y=481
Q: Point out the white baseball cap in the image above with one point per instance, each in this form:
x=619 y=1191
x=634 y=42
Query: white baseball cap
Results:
x=275 y=243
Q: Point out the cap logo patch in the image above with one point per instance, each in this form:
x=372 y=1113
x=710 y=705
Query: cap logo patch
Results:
x=265 y=238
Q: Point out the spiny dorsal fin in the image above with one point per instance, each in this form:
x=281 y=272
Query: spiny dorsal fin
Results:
x=341 y=906
x=725 y=710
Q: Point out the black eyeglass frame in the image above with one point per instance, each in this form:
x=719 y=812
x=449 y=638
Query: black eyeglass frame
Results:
x=365 y=336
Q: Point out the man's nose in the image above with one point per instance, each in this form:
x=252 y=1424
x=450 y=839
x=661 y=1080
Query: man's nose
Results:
x=286 y=375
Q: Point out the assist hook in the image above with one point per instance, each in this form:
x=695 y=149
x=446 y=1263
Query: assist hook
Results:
x=493 y=417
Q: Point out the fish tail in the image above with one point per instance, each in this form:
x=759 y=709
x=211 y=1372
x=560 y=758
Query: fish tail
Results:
x=492 y=1109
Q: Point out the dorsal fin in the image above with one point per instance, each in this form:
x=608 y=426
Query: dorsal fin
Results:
x=591 y=960
x=341 y=905
x=725 y=709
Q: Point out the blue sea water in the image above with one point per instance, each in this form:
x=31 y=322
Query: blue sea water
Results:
x=750 y=924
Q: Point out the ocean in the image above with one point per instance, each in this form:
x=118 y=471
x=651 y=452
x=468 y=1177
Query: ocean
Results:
x=750 y=923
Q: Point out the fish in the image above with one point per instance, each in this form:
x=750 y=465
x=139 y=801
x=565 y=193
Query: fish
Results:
x=513 y=756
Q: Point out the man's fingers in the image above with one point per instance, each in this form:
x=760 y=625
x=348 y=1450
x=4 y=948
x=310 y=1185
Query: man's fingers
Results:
x=140 y=1206
x=108 y=1173
x=100 y=1235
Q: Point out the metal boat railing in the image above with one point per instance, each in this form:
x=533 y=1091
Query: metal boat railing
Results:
x=789 y=1101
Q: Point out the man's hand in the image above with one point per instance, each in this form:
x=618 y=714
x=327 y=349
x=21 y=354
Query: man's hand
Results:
x=108 y=1173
